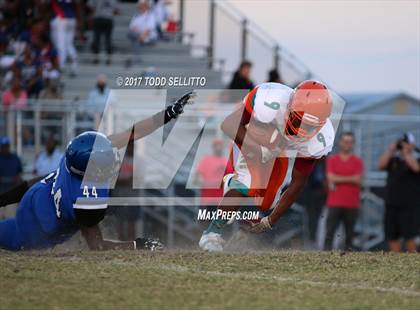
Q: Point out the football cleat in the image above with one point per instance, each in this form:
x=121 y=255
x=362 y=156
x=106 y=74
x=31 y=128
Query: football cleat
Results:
x=149 y=244
x=211 y=242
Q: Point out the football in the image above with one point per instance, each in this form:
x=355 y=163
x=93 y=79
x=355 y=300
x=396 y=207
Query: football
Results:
x=264 y=134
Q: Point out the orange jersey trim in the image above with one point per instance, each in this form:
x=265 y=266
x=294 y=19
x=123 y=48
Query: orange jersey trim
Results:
x=249 y=100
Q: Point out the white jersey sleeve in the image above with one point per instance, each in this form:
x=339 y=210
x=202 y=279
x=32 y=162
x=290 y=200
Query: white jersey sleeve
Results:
x=319 y=145
x=270 y=100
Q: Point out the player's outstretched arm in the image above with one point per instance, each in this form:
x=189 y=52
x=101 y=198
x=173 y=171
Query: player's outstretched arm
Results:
x=290 y=195
x=149 y=125
x=296 y=185
x=95 y=241
x=234 y=125
x=15 y=194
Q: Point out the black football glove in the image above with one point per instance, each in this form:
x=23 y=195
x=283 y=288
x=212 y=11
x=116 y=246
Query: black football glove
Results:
x=177 y=108
x=148 y=244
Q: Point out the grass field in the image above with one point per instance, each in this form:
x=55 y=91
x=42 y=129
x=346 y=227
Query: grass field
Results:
x=193 y=280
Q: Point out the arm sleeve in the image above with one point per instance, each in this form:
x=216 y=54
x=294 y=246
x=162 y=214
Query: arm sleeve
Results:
x=305 y=165
x=89 y=211
x=89 y=218
x=14 y=194
x=249 y=100
x=229 y=167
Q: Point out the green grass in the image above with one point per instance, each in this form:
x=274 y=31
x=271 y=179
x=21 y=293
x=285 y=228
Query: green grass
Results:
x=193 y=280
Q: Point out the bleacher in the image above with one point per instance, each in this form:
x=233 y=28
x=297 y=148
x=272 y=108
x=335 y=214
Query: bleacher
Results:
x=165 y=58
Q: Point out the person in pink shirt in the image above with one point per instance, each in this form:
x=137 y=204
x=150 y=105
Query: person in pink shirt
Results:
x=15 y=96
x=344 y=177
x=210 y=171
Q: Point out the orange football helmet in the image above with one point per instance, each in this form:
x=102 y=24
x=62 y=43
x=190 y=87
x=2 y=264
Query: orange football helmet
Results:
x=309 y=107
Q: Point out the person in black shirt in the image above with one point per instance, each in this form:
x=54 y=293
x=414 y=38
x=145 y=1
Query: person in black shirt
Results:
x=274 y=76
x=402 y=198
x=241 y=78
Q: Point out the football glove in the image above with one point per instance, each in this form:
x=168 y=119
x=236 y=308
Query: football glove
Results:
x=260 y=227
x=148 y=244
x=177 y=108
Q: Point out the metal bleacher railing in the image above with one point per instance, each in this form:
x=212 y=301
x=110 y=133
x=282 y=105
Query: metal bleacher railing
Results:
x=229 y=36
x=69 y=117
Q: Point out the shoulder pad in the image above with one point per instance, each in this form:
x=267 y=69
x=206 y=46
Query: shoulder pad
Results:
x=321 y=144
x=270 y=100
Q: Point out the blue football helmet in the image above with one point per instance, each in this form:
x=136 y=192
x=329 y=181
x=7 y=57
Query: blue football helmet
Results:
x=92 y=156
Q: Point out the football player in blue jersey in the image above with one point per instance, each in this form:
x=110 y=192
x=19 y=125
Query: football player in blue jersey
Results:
x=74 y=197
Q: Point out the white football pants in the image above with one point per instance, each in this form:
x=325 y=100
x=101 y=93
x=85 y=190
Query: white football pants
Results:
x=62 y=34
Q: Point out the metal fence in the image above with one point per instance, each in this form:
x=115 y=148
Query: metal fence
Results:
x=67 y=118
x=227 y=37
x=373 y=134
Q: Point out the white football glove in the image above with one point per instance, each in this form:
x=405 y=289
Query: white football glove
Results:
x=263 y=226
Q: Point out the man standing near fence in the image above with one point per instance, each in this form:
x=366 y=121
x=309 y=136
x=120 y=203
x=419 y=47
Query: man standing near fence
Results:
x=402 y=162
x=103 y=23
x=344 y=176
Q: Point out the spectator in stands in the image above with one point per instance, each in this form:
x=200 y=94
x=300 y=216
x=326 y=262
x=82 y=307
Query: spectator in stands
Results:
x=7 y=58
x=30 y=70
x=171 y=25
x=402 y=196
x=10 y=166
x=52 y=90
x=103 y=13
x=48 y=56
x=98 y=97
x=274 y=76
x=39 y=28
x=49 y=159
x=210 y=172
x=161 y=14
x=241 y=80
x=143 y=26
x=65 y=23
x=15 y=96
x=344 y=177
x=242 y=77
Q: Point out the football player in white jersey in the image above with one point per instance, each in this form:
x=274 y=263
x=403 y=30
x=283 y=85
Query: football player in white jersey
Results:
x=279 y=134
